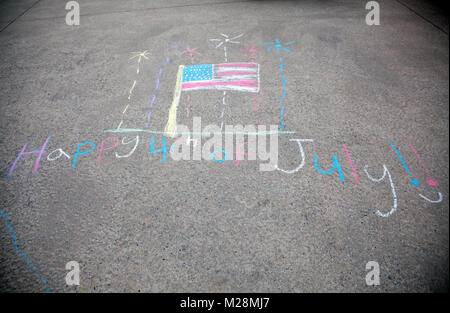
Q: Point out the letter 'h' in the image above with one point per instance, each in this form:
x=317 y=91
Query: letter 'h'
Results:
x=22 y=152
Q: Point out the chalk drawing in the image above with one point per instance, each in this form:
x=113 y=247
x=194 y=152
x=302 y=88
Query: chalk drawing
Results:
x=163 y=150
x=225 y=156
x=223 y=109
x=430 y=181
x=349 y=160
x=192 y=53
x=131 y=91
x=255 y=108
x=224 y=42
x=171 y=126
x=157 y=132
x=140 y=55
x=81 y=153
x=188 y=99
x=111 y=143
x=413 y=181
x=149 y=114
x=132 y=150
x=21 y=252
x=174 y=46
x=302 y=154
x=432 y=201
x=278 y=45
x=61 y=153
x=335 y=166
x=251 y=52
x=240 y=154
x=144 y=54
x=116 y=143
x=240 y=76
x=226 y=76
x=377 y=180
x=22 y=152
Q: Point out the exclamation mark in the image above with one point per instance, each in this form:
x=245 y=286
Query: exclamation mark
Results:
x=430 y=181
x=413 y=181
x=355 y=174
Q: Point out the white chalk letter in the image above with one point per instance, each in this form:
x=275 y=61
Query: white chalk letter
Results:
x=61 y=153
x=377 y=180
x=302 y=154
x=132 y=151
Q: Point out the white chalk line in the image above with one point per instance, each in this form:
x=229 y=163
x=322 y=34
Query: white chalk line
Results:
x=139 y=130
x=302 y=154
x=394 y=208
x=433 y=201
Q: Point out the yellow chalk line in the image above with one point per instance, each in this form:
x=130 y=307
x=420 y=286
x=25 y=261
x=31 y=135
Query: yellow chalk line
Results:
x=131 y=90
x=129 y=97
x=171 y=126
x=125 y=108
x=139 y=55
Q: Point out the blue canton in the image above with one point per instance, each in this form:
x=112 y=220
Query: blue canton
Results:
x=197 y=72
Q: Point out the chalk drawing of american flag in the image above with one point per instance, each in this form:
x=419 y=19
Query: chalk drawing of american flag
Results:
x=225 y=76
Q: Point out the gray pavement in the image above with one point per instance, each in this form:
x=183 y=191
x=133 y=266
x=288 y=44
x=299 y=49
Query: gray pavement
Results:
x=139 y=224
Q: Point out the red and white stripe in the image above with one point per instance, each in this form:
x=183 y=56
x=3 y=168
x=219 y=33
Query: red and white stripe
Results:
x=229 y=76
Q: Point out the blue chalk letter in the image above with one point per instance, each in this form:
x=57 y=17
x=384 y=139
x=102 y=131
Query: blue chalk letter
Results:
x=335 y=166
x=163 y=150
x=80 y=153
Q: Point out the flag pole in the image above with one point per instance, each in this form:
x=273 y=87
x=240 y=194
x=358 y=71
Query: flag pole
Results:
x=171 y=126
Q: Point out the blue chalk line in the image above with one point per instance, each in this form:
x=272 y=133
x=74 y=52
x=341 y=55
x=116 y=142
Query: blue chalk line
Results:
x=20 y=252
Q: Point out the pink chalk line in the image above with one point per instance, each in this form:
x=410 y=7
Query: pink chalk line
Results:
x=238 y=153
x=236 y=65
x=430 y=181
x=355 y=174
x=234 y=73
x=243 y=83
x=191 y=53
